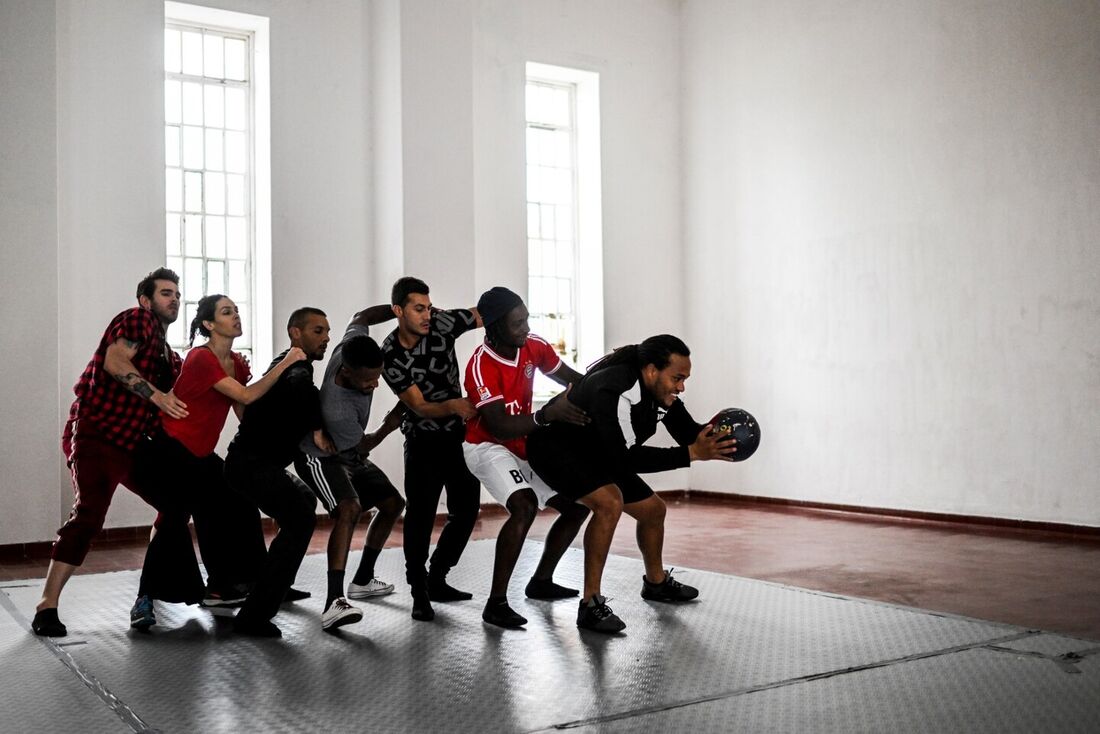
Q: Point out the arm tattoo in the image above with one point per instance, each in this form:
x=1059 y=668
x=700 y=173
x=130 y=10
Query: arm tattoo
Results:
x=130 y=344
x=136 y=384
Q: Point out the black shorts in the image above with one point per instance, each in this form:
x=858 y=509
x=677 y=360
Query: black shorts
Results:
x=336 y=478
x=573 y=465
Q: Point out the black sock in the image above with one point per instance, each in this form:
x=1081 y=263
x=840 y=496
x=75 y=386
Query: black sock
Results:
x=335 y=586
x=496 y=600
x=366 y=566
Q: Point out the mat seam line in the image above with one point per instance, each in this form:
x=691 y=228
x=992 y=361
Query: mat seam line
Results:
x=787 y=682
x=118 y=707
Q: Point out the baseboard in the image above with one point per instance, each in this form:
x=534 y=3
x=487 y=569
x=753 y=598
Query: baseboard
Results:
x=1033 y=527
x=22 y=551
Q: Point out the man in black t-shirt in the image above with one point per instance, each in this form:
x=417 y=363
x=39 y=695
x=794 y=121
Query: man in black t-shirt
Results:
x=255 y=465
x=421 y=368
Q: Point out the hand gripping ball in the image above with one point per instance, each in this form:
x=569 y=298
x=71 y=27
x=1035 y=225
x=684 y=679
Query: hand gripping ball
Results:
x=742 y=427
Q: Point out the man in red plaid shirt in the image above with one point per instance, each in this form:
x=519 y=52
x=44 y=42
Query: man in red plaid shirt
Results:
x=119 y=399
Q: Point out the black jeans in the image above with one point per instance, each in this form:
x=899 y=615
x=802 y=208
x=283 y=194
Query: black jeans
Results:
x=433 y=461
x=169 y=571
x=292 y=505
x=227 y=524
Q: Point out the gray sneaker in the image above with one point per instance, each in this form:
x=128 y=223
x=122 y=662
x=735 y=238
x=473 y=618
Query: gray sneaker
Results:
x=374 y=587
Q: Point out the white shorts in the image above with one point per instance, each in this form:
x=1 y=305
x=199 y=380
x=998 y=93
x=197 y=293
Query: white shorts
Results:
x=502 y=472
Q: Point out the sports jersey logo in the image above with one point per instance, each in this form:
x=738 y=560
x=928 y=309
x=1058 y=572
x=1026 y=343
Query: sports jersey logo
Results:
x=483 y=392
x=529 y=369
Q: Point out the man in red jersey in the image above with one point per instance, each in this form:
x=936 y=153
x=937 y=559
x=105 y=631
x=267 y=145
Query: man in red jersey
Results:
x=500 y=380
x=119 y=400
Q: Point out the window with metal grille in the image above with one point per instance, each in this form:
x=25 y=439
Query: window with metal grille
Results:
x=564 y=223
x=208 y=143
x=551 y=220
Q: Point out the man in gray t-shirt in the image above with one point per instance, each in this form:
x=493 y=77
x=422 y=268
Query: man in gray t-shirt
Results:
x=342 y=477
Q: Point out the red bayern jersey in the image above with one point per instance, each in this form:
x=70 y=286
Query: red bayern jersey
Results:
x=491 y=377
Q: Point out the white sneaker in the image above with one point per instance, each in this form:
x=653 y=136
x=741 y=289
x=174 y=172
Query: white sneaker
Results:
x=340 y=613
x=372 y=588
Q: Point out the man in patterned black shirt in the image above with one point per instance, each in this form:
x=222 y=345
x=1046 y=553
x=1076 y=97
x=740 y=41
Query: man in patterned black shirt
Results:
x=421 y=368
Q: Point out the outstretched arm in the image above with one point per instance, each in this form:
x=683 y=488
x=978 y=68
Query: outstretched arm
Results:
x=373 y=315
x=565 y=375
x=505 y=427
x=390 y=423
x=246 y=395
x=414 y=401
x=119 y=363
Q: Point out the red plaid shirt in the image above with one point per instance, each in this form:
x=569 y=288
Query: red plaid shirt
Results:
x=103 y=403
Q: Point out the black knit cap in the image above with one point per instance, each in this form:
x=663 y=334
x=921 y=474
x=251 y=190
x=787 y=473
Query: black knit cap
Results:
x=495 y=303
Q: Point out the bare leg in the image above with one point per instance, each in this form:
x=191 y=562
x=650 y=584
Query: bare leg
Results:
x=382 y=524
x=650 y=514
x=561 y=534
x=606 y=504
x=57 y=576
x=339 y=541
x=522 y=507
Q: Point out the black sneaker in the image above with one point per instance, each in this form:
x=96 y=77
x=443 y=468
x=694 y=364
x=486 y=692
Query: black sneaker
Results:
x=538 y=589
x=293 y=594
x=502 y=615
x=597 y=616
x=440 y=590
x=47 y=624
x=422 y=606
x=668 y=590
x=255 y=627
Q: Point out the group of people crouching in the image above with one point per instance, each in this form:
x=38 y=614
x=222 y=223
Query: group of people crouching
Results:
x=148 y=420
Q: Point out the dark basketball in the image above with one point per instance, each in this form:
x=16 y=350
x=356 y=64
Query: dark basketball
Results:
x=742 y=427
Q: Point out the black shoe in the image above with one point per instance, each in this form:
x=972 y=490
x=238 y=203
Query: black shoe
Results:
x=255 y=627
x=539 y=589
x=422 y=608
x=440 y=590
x=293 y=594
x=502 y=615
x=46 y=624
x=595 y=615
x=668 y=590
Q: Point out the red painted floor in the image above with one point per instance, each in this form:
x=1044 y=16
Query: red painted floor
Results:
x=1036 y=580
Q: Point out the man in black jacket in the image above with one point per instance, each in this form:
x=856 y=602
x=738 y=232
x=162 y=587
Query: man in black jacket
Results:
x=625 y=396
x=255 y=465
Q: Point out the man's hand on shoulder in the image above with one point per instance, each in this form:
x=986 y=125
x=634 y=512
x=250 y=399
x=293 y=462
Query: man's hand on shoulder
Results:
x=561 y=409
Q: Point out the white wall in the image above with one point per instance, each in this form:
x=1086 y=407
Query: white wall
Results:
x=95 y=207
x=891 y=222
x=30 y=453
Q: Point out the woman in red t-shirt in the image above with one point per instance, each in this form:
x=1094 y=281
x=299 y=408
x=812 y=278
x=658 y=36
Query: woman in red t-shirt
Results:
x=213 y=379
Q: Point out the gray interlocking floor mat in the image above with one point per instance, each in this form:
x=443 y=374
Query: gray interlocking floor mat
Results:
x=748 y=655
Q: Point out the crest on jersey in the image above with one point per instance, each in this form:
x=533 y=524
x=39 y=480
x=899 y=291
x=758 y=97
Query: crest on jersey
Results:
x=483 y=392
x=529 y=370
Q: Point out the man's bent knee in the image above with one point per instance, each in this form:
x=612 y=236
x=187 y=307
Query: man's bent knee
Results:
x=348 y=511
x=523 y=506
